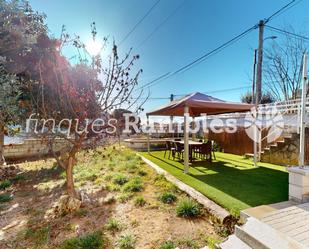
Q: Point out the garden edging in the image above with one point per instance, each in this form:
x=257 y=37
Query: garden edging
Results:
x=214 y=209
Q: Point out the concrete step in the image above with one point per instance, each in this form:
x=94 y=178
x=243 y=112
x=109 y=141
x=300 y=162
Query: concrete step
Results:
x=233 y=243
x=306 y=198
x=259 y=235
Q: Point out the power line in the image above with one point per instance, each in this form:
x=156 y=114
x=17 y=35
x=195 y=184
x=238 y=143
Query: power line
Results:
x=287 y=32
x=198 y=60
x=161 y=24
x=139 y=22
x=221 y=90
x=218 y=49
x=155 y=80
x=283 y=10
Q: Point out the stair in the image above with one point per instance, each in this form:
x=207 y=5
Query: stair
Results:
x=233 y=242
x=276 y=152
x=258 y=235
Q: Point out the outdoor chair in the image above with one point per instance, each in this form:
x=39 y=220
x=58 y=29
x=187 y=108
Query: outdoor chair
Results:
x=205 y=151
x=179 y=150
x=170 y=149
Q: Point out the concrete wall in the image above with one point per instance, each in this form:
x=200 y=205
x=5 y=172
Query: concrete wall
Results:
x=31 y=148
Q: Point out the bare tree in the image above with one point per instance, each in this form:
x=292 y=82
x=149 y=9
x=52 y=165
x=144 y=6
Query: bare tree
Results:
x=282 y=66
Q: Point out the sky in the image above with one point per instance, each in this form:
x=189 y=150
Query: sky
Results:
x=193 y=28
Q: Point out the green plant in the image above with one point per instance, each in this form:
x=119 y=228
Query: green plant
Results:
x=126 y=242
x=124 y=197
x=39 y=236
x=161 y=182
x=211 y=242
x=142 y=172
x=188 y=243
x=167 y=197
x=112 y=187
x=134 y=185
x=113 y=225
x=120 y=179
x=82 y=212
x=91 y=241
x=168 y=245
x=18 y=177
x=188 y=208
x=5 y=184
x=140 y=201
x=5 y=197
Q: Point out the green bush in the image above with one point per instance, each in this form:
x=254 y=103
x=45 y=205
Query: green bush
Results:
x=168 y=245
x=167 y=197
x=120 y=179
x=140 y=201
x=126 y=242
x=188 y=208
x=18 y=177
x=124 y=197
x=113 y=225
x=134 y=185
x=142 y=172
x=5 y=197
x=39 y=236
x=5 y=184
x=91 y=241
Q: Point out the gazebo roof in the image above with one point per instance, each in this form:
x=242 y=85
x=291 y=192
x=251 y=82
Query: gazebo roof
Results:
x=198 y=104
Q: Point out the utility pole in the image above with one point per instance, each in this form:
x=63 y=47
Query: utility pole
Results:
x=259 y=64
x=254 y=77
x=303 y=114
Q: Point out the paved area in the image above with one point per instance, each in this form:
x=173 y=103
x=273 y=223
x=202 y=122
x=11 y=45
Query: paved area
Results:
x=292 y=221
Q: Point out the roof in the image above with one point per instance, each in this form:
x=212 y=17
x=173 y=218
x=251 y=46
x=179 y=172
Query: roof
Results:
x=198 y=104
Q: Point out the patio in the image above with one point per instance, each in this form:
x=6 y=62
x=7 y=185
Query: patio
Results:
x=230 y=180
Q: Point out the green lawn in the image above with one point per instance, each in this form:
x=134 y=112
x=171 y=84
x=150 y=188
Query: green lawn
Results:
x=231 y=180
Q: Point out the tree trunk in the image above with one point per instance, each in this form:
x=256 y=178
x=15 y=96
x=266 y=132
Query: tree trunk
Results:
x=1 y=144
x=69 y=178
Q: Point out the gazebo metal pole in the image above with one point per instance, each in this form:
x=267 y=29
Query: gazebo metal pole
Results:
x=148 y=136
x=186 y=140
x=303 y=113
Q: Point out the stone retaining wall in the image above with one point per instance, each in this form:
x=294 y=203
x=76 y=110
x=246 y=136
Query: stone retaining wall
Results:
x=31 y=148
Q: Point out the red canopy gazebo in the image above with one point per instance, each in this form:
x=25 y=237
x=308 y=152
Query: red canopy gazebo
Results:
x=194 y=105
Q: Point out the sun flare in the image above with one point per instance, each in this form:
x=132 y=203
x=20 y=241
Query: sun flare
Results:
x=94 y=47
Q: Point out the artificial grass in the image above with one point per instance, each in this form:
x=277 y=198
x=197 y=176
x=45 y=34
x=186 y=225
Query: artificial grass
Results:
x=231 y=181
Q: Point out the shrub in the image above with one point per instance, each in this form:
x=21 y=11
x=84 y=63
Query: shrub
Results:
x=188 y=208
x=168 y=245
x=113 y=225
x=5 y=184
x=140 y=201
x=161 y=182
x=126 y=242
x=120 y=179
x=112 y=187
x=188 y=243
x=167 y=197
x=124 y=197
x=211 y=242
x=134 y=185
x=5 y=197
x=142 y=172
x=18 y=177
x=91 y=241
x=82 y=212
x=39 y=236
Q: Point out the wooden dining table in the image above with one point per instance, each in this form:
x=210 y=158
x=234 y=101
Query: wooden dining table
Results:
x=192 y=144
